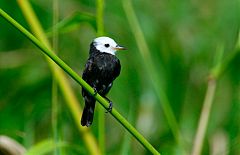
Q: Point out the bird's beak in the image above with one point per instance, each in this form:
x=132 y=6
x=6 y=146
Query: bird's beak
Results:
x=120 y=48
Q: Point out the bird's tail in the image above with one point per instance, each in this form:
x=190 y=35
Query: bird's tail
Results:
x=88 y=112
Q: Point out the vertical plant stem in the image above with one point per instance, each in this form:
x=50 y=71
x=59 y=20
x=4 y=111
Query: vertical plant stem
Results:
x=101 y=119
x=100 y=17
x=217 y=70
x=202 y=126
x=74 y=108
x=55 y=115
x=54 y=83
x=152 y=71
x=62 y=81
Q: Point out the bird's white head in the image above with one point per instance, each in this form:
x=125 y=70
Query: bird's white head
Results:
x=107 y=45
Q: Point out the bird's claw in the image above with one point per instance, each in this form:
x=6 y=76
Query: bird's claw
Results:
x=95 y=91
x=109 y=109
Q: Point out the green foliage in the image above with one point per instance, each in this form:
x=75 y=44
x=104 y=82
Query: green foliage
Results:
x=73 y=22
x=80 y=81
x=45 y=147
x=187 y=41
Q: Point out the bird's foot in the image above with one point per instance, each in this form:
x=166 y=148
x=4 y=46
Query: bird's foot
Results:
x=95 y=91
x=109 y=109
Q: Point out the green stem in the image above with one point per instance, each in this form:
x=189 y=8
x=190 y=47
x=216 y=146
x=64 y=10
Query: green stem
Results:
x=204 y=118
x=100 y=17
x=152 y=71
x=215 y=73
x=55 y=115
x=80 y=81
x=207 y=104
x=64 y=86
x=101 y=119
x=55 y=107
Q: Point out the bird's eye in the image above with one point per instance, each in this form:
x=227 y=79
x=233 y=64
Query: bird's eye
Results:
x=107 y=45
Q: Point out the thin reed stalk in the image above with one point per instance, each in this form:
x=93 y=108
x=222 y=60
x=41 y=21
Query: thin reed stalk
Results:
x=68 y=93
x=215 y=73
x=152 y=71
x=55 y=107
x=101 y=119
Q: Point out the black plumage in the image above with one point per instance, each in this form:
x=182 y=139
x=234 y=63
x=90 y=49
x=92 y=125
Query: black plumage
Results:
x=100 y=71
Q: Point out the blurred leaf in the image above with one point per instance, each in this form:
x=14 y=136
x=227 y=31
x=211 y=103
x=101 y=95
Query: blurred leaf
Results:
x=45 y=146
x=72 y=22
x=15 y=58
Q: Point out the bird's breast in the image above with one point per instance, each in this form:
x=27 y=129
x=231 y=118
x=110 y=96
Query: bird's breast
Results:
x=107 y=62
x=108 y=66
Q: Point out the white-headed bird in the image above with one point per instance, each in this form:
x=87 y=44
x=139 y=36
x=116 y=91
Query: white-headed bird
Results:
x=101 y=69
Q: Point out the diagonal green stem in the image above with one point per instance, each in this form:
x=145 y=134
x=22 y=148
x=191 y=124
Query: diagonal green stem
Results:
x=80 y=81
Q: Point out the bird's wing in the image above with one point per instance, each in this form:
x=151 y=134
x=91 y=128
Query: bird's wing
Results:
x=89 y=70
x=117 y=69
x=89 y=76
x=88 y=112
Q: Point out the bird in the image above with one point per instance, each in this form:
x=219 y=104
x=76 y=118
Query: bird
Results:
x=101 y=69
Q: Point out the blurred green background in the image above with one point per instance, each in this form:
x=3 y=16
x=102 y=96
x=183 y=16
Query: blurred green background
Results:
x=182 y=37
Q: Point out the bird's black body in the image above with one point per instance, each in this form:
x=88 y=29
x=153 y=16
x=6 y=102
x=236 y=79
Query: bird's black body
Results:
x=100 y=71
